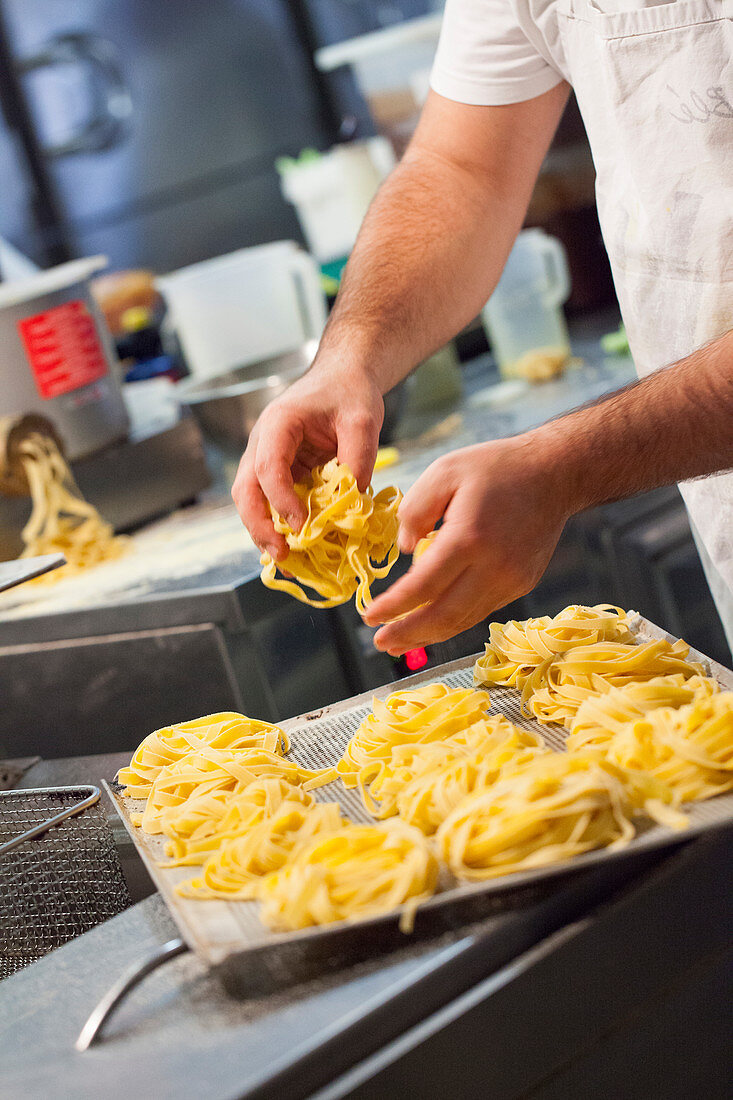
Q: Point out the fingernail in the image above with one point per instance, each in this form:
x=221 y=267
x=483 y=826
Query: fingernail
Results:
x=273 y=551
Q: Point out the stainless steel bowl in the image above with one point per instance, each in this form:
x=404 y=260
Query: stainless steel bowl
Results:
x=227 y=406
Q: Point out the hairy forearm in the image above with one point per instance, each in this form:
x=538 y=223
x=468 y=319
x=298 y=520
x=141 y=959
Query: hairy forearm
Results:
x=436 y=237
x=673 y=425
x=430 y=251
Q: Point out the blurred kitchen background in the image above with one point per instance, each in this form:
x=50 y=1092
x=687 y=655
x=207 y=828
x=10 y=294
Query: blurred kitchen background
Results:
x=221 y=155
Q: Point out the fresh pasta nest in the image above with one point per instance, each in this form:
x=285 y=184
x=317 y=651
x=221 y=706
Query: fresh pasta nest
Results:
x=235 y=870
x=516 y=649
x=547 y=810
x=599 y=717
x=225 y=730
x=431 y=712
x=358 y=871
x=218 y=773
x=689 y=749
x=202 y=824
x=554 y=691
x=348 y=540
x=422 y=782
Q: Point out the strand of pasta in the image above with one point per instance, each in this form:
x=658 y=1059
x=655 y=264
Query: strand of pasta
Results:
x=203 y=823
x=356 y=872
x=61 y=520
x=599 y=717
x=225 y=730
x=690 y=748
x=554 y=691
x=548 y=810
x=235 y=870
x=345 y=537
x=431 y=712
x=515 y=649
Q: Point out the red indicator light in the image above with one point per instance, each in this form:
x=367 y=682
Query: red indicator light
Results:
x=415 y=659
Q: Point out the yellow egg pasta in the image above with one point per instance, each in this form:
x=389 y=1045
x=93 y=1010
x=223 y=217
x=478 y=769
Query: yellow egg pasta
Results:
x=554 y=691
x=358 y=871
x=516 y=649
x=348 y=540
x=225 y=730
x=235 y=870
x=61 y=520
x=207 y=771
x=690 y=749
x=599 y=717
x=427 y=799
x=431 y=712
x=422 y=782
x=546 y=811
x=203 y=823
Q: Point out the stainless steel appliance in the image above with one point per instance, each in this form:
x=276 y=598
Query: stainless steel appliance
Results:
x=57 y=357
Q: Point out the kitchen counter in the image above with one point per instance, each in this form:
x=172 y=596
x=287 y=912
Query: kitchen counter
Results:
x=607 y=979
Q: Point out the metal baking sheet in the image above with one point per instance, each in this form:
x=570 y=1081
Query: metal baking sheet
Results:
x=223 y=932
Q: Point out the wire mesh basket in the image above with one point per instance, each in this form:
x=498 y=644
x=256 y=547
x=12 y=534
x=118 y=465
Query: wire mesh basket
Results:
x=59 y=881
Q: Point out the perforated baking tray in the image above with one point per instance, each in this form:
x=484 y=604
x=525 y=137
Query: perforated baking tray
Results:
x=225 y=933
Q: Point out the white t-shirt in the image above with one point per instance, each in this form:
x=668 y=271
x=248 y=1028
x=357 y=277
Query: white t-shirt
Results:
x=493 y=52
x=654 y=83
x=505 y=51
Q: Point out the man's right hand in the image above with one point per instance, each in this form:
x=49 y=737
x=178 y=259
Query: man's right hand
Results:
x=331 y=411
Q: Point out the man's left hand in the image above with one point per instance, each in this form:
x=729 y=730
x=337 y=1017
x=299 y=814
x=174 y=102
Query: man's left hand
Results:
x=502 y=514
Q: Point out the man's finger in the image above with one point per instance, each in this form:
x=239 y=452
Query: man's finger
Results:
x=455 y=610
x=424 y=504
x=424 y=582
x=252 y=507
x=277 y=447
x=358 y=441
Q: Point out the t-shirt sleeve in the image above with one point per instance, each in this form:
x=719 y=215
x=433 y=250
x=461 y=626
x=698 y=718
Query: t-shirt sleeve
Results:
x=485 y=58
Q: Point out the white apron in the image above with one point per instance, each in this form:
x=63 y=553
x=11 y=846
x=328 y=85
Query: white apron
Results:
x=655 y=88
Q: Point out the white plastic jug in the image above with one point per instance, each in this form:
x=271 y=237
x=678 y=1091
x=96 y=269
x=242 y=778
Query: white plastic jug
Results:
x=523 y=317
x=245 y=306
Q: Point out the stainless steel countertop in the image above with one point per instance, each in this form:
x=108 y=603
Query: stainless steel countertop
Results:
x=180 y=1035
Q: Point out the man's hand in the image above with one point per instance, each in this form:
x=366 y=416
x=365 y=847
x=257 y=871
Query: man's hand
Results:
x=502 y=517
x=504 y=504
x=328 y=412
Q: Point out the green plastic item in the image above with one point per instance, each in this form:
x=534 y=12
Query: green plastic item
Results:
x=616 y=343
x=306 y=156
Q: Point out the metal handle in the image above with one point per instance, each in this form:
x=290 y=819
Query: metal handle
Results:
x=109 y=95
x=110 y=1002
x=70 y=811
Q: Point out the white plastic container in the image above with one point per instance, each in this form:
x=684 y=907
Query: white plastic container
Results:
x=523 y=318
x=331 y=193
x=392 y=67
x=246 y=306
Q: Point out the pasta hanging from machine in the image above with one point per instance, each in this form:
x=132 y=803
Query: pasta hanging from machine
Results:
x=61 y=519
